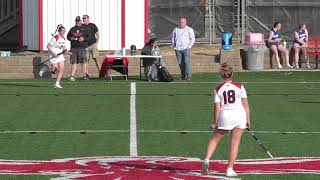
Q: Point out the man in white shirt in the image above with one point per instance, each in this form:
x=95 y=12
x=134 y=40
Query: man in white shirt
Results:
x=183 y=39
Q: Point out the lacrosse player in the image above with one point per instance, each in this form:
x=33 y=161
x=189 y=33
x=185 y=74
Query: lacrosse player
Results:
x=231 y=113
x=56 y=47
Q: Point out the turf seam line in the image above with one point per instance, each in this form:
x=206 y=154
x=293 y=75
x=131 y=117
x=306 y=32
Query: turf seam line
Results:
x=133 y=121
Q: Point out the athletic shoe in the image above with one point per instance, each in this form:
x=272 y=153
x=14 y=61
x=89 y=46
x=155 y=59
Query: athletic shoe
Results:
x=297 y=66
x=205 y=167
x=188 y=79
x=41 y=72
x=289 y=66
x=280 y=66
x=88 y=76
x=85 y=78
x=58 y=86
x=308 y=66
x=231 y=173
x=71 y=78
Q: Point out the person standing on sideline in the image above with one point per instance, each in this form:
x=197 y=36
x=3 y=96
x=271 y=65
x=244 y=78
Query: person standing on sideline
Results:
x=231 y=113
x=79 y=37
x=300 y=44
x=56 y=46
x=92 y=50
x=183 y=39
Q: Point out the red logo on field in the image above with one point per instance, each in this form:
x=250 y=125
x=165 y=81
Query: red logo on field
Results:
x=143 y=168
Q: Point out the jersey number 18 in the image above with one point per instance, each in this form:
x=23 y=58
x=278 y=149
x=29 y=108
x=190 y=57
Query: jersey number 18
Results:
x=229 y=96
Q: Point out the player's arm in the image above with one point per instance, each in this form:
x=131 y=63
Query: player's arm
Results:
x=217 y=110
x=270 y=37
x=50 y=45
x=245 y=104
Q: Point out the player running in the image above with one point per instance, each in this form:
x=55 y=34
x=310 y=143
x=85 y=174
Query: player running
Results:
x=56 y=46
x=231 y=113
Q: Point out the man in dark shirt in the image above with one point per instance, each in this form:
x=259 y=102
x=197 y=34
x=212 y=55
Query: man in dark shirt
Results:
x=79 y=37
x=92 y=50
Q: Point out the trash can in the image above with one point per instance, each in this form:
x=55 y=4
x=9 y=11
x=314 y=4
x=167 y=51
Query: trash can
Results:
x=226 y=40
x=254 y=51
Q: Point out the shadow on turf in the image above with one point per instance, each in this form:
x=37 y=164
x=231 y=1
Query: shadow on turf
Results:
x=307 y=102
x=19 y=85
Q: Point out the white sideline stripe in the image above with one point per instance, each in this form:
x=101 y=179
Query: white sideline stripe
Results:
x=207 y=82
x=146 y=131
x=133 y=121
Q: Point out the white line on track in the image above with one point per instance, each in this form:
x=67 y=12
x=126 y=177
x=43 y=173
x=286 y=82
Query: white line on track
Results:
x=143 y=131
x=133 y=121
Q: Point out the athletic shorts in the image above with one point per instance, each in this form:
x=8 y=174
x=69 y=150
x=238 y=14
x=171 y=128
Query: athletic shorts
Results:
x=92 y=52
x=58 y=59
x=230 y=119
x=78 y=55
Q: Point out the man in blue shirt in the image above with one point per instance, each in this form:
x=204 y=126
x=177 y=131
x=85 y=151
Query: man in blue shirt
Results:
x=183 y=39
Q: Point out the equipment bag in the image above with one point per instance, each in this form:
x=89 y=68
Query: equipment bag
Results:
x=164 y=75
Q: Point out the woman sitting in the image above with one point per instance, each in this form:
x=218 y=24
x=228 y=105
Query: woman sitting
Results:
x=275 y=46
x=300 y=44
x=151 y=65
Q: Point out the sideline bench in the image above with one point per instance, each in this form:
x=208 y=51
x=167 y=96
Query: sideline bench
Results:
x=314 y=49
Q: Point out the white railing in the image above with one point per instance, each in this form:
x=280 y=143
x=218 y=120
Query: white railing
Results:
x=8 y=10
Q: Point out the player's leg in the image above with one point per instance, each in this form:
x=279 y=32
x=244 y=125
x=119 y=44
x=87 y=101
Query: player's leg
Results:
x=95 y=55
x=73 y=62
x=60 y=73
x=212 y=145
x=296 y=49
x=236 y=134
x=274 y=51
x=84 y=61
x=285 y=51
x=305 y=55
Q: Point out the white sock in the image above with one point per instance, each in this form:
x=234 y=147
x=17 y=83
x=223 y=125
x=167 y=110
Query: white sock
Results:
x=206 y=160
x=57 y=82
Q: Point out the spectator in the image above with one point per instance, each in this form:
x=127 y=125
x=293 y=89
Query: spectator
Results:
x=231 y=113
x=79 y=37
x=56 y=46
x=275 y=46
x=183 y=39
x=92 y=50
x=151 y=64
x=300 y=43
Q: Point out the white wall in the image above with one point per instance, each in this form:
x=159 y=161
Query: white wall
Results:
x=106 y=14
x=30 y=24
x=135 y=23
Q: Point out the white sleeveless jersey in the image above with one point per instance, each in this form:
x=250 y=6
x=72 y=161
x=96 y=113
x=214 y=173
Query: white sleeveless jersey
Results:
x=229 y=95
x=57 y=43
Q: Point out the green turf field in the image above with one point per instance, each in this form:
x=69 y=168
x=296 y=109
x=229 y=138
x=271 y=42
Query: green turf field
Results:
x=92 y=118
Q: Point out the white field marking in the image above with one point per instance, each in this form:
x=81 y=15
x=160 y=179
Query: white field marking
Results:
x=145 y=131
x=205 y=82
x=133 y=121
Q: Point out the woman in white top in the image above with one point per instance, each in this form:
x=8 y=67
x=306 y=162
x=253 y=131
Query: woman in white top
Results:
x=56 y=47
x=231 y=113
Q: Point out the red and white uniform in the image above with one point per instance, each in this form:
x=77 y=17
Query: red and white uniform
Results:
x=232 y=114
x=57 y=43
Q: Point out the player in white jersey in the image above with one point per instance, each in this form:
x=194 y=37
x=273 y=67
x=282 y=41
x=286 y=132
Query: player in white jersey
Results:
x=231 y=113
x=56 y=46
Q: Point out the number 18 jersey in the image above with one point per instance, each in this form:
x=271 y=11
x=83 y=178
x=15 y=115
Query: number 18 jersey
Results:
x=229 y=95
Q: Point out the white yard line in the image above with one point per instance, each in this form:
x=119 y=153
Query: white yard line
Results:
x=143 y=131
x=133 y=121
